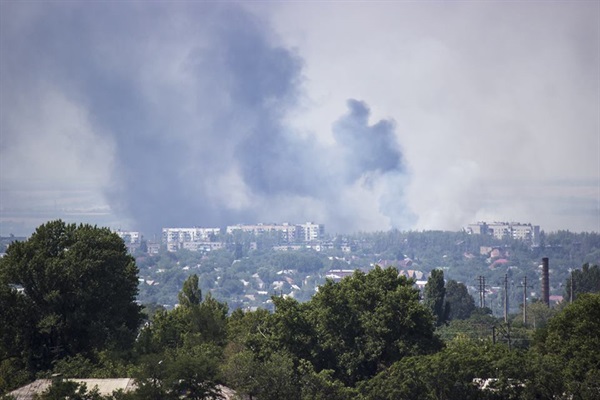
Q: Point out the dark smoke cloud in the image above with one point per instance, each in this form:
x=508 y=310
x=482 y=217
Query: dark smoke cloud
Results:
x=366 y=148
x=193 y=99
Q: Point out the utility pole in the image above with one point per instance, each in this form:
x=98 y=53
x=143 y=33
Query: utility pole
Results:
x=481 y=291
x=506 y=298
x=525 y=286
x=572 y=287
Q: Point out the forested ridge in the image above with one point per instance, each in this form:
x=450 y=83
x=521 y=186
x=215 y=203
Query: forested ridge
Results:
x=68 y=297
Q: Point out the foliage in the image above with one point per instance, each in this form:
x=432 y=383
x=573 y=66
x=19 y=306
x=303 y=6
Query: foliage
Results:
x=450 y=374
x=190 y=294
x=435 y=297
x=460 y=302
x=321 y=385
x=572 y=337
x=585 y=280
x=78 y=294
x=270 y=378
x=366 y=337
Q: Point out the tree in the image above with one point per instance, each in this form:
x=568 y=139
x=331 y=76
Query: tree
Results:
x=78 y=289
x=366 y=322
x=573 y=337
x=450 y=374
x=192 y=371
x=190 y=294
x=435 y=296
x=271 y=378
x=586 y=280
x=459 y=300
x=322 y=385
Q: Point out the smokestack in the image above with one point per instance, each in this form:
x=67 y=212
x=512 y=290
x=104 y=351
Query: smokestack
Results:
x=545 y=281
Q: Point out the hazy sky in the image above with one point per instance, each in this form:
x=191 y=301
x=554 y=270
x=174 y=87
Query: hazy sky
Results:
x=359 y=115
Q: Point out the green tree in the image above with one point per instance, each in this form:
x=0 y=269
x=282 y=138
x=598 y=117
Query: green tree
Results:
x=573 y=338
x=451 y=373
x=585 y=280
x=195 y=321
x=366 y=322
x=460 y=302
x=190 y=294
x=322 y=385
x=271 y=378
x=538 y=314
x=79 y=286
x=192 y=372
x=435 y=297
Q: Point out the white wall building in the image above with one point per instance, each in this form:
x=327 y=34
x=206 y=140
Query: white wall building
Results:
x=503 y=230
x=193 y=239
x=289 y=233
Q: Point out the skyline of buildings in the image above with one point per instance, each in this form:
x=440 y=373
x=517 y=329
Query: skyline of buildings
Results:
x=294 y=235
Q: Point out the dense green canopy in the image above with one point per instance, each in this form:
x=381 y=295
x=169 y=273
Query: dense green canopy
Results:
x=69 y=289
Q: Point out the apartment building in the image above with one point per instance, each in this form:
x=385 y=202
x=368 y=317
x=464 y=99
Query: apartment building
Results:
x=193 y=239
x=503 y=230
x=310 y=232
x=132 y=239
x=182 y=235
x=287 y=231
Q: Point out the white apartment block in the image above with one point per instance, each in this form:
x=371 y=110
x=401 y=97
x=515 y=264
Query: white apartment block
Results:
x=199 y=246
x=503 y=230
x=310 y=232
x=129 y=237
x=182 y=235
x=287 y=231
x=307 y=232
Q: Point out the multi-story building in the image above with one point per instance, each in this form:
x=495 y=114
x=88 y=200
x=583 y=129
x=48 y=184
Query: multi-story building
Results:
x=182 y=235
x=503 y=230
x=129 y=237
x=178 y=238
x=499 y=230
x=479 y=228
x=201 y=246
x=132 y=239
x=310 y=232
x=289 y=233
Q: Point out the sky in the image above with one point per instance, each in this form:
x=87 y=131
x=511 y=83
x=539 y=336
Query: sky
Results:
x=363 y=116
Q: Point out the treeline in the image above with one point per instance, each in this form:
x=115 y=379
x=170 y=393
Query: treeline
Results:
x=68 y=308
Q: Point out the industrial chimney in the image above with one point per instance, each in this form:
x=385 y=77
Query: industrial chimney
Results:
x=545 y=282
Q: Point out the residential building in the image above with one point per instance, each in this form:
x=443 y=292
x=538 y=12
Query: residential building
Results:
x=503 y=230
x=193 y=239
x=129 y=237
x=287 y=231
x=290 y=233
x=188 y=234
x=310 y=231
x=132 y=239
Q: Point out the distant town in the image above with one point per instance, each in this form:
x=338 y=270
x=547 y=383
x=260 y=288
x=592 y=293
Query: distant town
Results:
x=246 y=264
x=288 y=236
